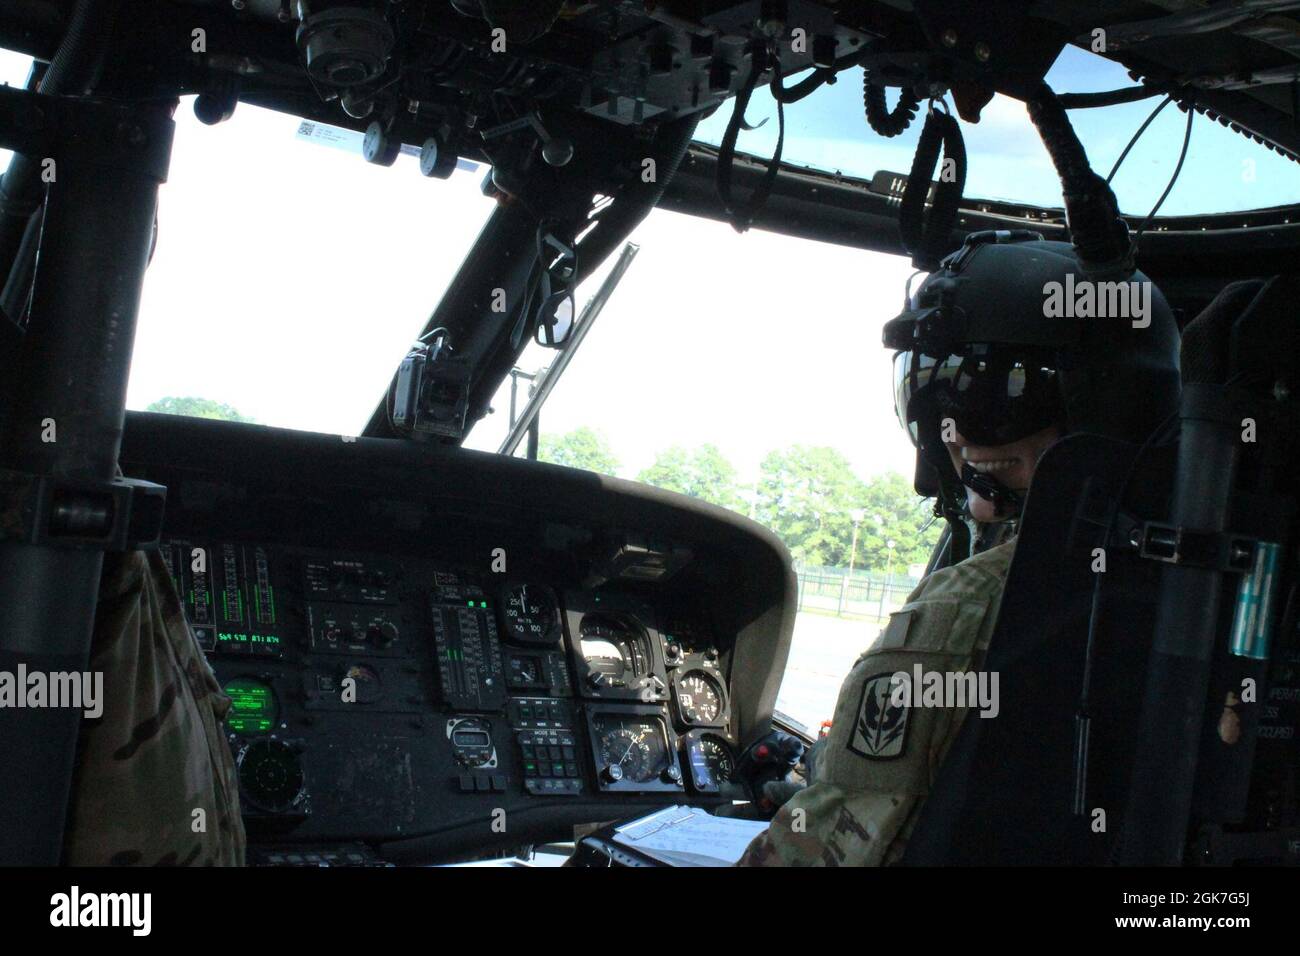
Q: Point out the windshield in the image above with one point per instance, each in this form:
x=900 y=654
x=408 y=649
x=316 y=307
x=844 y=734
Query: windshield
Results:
x=1224 y=171
x=743 y=370
x=289 y=276
x=14 y=68
x=288 y=288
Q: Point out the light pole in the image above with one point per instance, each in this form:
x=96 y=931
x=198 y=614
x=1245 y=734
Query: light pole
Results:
x=856 y=515
x=889 y=572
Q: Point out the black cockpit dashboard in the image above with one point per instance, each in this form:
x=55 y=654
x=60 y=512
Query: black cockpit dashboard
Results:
x=434 y=653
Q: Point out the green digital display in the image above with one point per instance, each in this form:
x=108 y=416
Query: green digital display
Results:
x=252 y=706
x=239 y=637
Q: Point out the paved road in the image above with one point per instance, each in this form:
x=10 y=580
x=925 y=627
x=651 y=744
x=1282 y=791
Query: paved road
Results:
x=821 y=656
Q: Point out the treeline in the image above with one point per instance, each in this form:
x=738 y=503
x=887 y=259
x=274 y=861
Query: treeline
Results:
x=809 y=496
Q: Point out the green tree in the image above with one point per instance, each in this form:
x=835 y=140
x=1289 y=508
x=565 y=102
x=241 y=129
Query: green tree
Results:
x=811 y=499
x=197 y=408
x=891 y=511
x=580 y=448
x=807 y=496
x=703 y=473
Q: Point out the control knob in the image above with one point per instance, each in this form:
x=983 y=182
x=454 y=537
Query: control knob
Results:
x=381 y=633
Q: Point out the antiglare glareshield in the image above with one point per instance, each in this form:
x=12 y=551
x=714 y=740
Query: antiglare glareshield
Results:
x=994 y=395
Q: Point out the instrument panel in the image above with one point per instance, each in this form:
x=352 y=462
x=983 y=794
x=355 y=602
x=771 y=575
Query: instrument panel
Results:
x=435 y=654
x=454 y=682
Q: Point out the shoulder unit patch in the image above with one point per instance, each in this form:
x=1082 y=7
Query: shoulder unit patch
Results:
x=880 y=731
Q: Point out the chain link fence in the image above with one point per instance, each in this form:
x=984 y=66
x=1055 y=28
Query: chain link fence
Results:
x=862 y=594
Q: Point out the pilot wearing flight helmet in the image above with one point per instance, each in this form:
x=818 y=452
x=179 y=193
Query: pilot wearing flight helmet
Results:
x=989 y=372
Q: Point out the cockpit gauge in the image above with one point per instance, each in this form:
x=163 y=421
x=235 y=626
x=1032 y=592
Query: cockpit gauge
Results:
x=710 y=760
x=530 y=614
x=631 y=753
x=700 y=698
x=270 y=775
x=634 y=751
x=613 y=651
x=471 y=742
x=616 y=659
x=253 y=706
x=719 y=757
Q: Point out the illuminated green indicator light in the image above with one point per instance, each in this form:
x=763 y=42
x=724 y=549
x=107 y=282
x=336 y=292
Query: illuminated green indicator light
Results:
x=482 y=603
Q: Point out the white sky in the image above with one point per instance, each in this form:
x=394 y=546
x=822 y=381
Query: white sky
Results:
x=752 y=342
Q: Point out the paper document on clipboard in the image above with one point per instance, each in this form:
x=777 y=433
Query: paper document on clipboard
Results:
x=687 y=836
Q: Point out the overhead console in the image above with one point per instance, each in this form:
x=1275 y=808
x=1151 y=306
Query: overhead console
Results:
x=437 y=653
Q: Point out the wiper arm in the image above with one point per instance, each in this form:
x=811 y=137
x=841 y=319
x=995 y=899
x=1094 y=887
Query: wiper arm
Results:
x=548 y=379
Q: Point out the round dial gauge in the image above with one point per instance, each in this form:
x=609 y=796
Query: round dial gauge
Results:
x=532 y=615
x=699 y=698
x=718 y=757
x=631 y=748
x=269 y=775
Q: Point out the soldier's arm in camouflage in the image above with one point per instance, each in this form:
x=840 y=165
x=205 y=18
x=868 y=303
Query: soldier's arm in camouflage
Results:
x=879 y=762
x=155 y=780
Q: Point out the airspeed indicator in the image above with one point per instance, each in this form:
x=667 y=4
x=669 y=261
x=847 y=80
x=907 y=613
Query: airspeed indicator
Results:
x=531 y=615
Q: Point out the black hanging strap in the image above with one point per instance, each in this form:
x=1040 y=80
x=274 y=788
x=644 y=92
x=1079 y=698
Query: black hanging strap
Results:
x=741 y=214
x=792 y=94
x=928 y=240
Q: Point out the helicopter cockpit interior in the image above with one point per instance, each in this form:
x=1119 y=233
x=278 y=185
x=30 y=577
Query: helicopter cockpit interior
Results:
x=438 y=653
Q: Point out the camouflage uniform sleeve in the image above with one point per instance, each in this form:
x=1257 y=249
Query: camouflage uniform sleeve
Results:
x=881 y=758
x=157 y=754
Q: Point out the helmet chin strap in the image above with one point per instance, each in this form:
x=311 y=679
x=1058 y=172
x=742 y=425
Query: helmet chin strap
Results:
x=1006 y=501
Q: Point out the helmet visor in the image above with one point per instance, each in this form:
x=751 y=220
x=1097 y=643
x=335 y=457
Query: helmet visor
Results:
x=992 y=396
